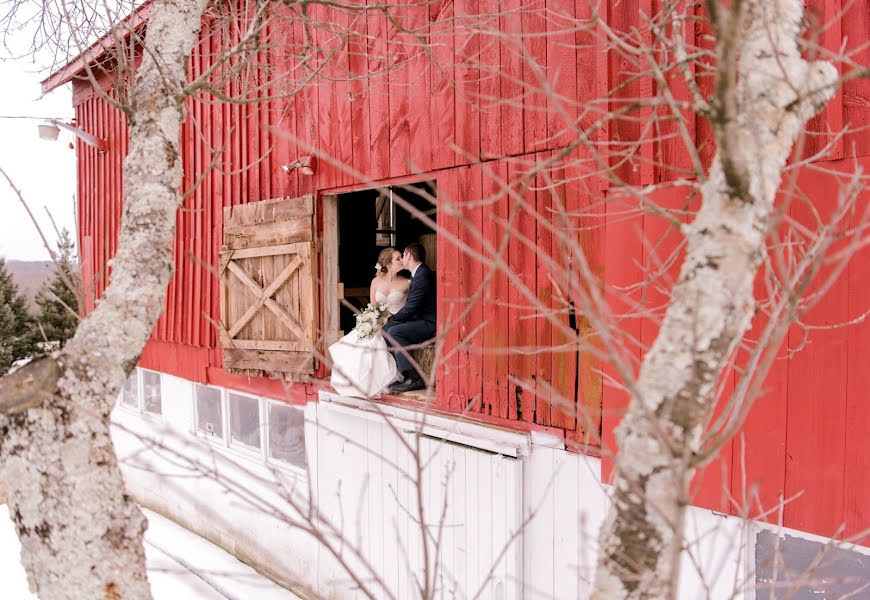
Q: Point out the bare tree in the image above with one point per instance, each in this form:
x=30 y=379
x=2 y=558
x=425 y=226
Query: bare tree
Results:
x=81 y=534
x=54 y=414
x=764 y=94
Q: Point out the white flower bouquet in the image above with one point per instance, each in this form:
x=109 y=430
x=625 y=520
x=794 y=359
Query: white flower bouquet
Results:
x=371 y=320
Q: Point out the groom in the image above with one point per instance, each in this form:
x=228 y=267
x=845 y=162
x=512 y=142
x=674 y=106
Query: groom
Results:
x=415 y=323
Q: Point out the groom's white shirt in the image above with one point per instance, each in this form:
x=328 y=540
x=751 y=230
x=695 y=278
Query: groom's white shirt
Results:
x=414 y=270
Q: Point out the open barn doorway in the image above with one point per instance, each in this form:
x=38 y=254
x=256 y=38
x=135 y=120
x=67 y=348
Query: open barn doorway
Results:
x=369 y=221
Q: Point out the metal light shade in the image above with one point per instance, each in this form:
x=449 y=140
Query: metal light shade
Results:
x=48 y=131
x=306 y=164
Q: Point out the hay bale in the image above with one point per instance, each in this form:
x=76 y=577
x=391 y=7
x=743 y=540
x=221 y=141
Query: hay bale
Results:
x=425 y=357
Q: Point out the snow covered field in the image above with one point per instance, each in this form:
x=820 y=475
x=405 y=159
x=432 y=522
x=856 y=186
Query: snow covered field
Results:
x=180 y=565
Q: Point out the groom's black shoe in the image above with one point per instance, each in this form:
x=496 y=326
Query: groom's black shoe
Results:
x=410 y=384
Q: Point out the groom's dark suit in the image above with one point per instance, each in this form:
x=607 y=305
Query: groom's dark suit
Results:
x=415 y=323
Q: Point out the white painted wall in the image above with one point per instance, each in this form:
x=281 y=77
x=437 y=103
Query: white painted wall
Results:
x=507 y=514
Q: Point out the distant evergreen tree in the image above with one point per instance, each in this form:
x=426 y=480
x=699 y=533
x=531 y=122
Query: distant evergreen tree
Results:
x=58 y=304
x=16 y=323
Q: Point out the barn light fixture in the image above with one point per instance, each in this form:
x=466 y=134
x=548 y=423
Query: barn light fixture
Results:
x=51 y=129
x=306 y=164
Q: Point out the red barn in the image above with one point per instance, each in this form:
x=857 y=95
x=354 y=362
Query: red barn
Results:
x=456 y=124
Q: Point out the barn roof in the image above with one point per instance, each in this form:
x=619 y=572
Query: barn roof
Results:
x=98 y=49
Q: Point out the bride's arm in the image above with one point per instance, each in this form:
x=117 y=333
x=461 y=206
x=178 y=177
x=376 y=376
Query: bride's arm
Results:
x=372 y=299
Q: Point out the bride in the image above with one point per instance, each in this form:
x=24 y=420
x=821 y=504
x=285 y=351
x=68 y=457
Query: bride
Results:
x=364 y=367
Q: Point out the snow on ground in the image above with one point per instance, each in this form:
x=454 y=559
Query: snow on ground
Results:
x=180 y=565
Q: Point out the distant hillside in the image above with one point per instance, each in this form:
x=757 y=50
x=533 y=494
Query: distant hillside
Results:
x=29 y=275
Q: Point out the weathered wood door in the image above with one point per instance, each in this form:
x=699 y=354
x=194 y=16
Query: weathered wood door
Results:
x=268 y=304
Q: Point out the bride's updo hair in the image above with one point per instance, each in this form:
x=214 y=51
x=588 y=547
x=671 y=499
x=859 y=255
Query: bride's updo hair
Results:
x=384 y=259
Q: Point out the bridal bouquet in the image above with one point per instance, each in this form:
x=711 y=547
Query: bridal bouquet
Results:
x=371 y=320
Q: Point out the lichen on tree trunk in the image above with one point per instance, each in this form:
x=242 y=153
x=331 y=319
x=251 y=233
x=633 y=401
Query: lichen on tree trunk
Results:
x=765 y=93
x=81 y=534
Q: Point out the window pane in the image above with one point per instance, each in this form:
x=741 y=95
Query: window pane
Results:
x=151 y=392
x=130 y=393
x=287 y=434
x=245 y=420
x=208 y=411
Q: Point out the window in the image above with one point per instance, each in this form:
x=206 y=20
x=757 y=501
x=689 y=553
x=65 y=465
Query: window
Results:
x=245 y=420
x=286 y=434
x=151 y=393
x=209 y=411
x=251 y=426
x=130 y=393
x=141 y=392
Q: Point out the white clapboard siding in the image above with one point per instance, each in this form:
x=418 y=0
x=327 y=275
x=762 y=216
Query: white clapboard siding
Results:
x=369 y=486
x=564 y=503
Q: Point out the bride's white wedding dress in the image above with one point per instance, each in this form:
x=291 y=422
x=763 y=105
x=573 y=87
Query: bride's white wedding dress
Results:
x=364 y=368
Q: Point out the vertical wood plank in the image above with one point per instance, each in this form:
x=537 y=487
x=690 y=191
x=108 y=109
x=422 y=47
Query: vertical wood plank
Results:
x=823 y=18
x=470 y=281
x=419 y=78
x=856 y=491
x=565 y=354
x=511 y=81
x=490 y=79
x=544 y=355
x=467 y=112
x=360 y=94
x=447 y=377
x=442 y=94
x=398 y=78
x=623 y=257
x=561 y=51
x=535 y=104
x=817 y=383
x=856 y=92
x=379 y=104
x=522 y=332
x=496 y=294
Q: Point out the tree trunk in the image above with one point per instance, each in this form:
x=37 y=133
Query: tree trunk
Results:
x=81 y=535
x=765 y=93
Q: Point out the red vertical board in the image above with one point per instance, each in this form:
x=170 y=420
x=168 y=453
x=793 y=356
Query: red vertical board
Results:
x=419 y=78
x=630 y=136
x=565 y=352
x=817 y=382
x=758 y=468
x=825 y=35
x=592 y=75
x=442 y=81
x=675 y=140
x=379 y=103
x=536 y=113
x=623 y=257
x=489 y=101
x=470 y=355
x=561 y=72
x=360 y=95
x=496 y=294
x=586 y=207
x=544 y=355
x=467 y=112
x=856 y=92
x=856 y=493
x=449 y=294
x=511 y=81
x=523 y=264
x=342 y=115
x=398 y=80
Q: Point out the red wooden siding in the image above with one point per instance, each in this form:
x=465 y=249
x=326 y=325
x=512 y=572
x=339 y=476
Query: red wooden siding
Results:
x=466 y=119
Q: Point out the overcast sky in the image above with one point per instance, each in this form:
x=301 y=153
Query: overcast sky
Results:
x=44 y=171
